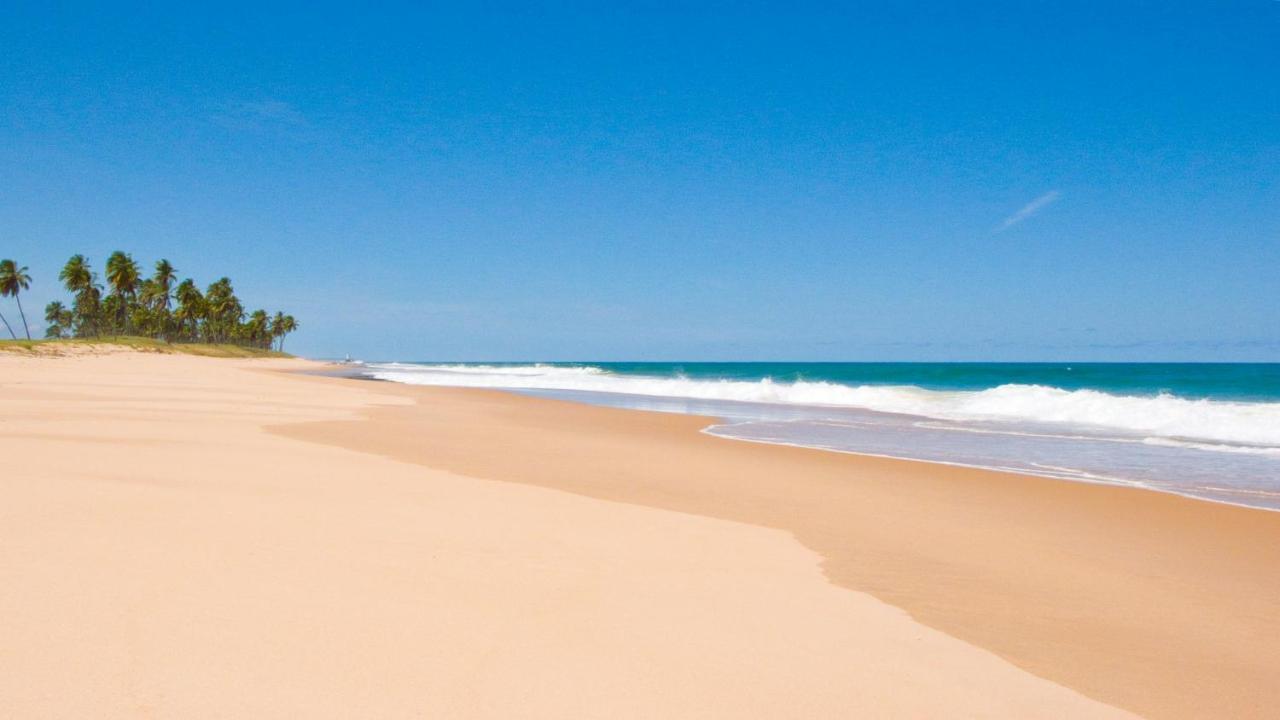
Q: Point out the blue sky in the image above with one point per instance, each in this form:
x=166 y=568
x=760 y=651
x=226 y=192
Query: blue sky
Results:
x=931 y=181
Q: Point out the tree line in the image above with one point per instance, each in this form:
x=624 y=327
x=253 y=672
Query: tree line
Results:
x=157 y=307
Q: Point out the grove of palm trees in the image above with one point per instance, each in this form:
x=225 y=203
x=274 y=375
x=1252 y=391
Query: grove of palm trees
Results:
x=139 y=304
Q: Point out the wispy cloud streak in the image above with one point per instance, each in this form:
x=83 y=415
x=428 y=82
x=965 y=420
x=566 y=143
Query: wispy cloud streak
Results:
x=267 y=115
x=273 y=110
x=1029 y=209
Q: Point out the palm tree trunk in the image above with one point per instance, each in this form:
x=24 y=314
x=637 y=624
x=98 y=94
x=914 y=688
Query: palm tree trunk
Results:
x=24 y=316
x=6 y=327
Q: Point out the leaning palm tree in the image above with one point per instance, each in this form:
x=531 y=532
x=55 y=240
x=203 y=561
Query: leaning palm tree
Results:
x=13 y=280
x=122 y=275
x=8 y=327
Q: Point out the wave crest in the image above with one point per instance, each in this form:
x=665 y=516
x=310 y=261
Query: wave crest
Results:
x=1162 y=416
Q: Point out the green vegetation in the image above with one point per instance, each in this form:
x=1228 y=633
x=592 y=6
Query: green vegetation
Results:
x=141 y=344
x=13 y=280
x=136 y=310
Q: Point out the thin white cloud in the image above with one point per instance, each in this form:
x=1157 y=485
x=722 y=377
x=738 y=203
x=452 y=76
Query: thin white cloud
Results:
x=1029 y=209
x=266 y=115
x=274 y=110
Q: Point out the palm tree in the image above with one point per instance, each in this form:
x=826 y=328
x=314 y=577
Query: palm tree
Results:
x=8 y=327
x=76 y=275
x=190 y=308
x=259 y=328
x=161 y=286
x=58 y=320
x=88 y=309
x=122 y=274
x=146 y=314
x=223 y=310
x=149 y=294
x=285 y=326
x=78 y=278
x=14 y=279
x=166 y=275
x=277 y=328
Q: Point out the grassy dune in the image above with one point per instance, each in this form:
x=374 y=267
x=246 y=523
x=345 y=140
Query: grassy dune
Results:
x=140 y=344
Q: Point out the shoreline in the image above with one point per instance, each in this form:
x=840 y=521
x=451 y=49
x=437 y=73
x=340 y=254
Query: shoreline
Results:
x=714 y=422
x=963 y=546
x=191 y=537
x=1116 y=483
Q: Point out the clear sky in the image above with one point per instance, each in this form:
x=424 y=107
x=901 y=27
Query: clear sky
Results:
x=1022 y=180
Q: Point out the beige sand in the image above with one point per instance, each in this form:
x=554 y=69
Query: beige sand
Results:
x=163 y=556
x=1159 y=604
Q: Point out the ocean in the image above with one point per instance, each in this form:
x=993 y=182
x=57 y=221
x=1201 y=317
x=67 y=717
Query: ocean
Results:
x=1204 y=430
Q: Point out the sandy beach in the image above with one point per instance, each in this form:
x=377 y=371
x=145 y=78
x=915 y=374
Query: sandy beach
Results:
x=186 y=537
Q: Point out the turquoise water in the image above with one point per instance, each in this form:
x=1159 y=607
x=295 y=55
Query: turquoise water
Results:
x=1210 y=431
x=1223 y=381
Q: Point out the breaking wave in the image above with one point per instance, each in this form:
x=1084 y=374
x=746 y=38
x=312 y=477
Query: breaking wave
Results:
x=1158 y=419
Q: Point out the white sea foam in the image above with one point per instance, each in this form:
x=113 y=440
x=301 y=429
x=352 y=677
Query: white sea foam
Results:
x=1163 y=419
x=1218 y=447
